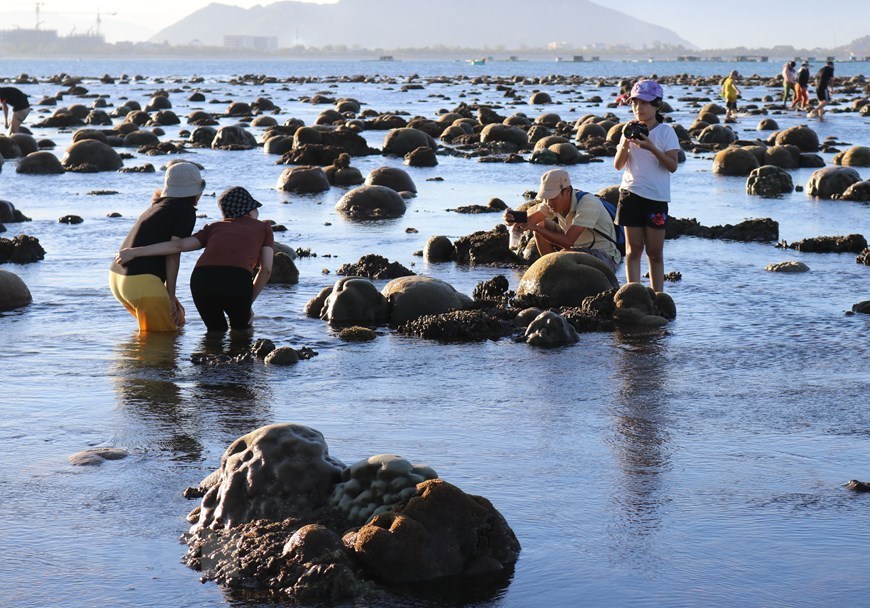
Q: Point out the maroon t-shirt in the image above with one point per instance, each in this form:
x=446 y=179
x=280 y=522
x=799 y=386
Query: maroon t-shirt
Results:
x=234 y=242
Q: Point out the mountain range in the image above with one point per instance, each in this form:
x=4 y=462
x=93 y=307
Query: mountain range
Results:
x=397 y=24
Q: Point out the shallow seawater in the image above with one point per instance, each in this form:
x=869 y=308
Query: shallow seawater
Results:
x=700 y=465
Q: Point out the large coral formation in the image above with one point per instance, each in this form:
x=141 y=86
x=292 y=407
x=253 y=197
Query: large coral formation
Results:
x=273 y=516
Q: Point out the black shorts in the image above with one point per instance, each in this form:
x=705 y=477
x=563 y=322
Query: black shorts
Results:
x=823 y=94
x=731 y=105
x=635 y=211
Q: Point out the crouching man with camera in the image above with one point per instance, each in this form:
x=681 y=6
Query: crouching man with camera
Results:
x=570 y=220
x=649 y=153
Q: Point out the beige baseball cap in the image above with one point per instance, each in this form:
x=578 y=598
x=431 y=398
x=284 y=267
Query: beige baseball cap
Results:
x=552 y=183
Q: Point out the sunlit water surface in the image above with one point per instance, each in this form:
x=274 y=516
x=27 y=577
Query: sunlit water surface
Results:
x=702 y=465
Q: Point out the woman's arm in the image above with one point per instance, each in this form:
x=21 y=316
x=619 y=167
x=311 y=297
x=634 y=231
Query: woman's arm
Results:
x=168 y=248
x=267 y=255
x=173 y=262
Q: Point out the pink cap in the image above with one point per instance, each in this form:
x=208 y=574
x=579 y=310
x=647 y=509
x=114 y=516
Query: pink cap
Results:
x=646 y=90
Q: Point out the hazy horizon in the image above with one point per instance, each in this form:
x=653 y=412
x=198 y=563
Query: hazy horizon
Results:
x=751 y=24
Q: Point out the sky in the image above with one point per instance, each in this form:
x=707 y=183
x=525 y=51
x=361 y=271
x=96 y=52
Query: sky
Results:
x=706 y=24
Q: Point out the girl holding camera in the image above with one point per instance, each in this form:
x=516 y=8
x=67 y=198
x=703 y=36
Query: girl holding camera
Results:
x=649 y=152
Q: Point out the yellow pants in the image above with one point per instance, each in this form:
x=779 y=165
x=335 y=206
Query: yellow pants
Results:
x=145 y=296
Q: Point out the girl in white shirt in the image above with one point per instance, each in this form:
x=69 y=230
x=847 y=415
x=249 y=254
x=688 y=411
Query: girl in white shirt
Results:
x=648 y=160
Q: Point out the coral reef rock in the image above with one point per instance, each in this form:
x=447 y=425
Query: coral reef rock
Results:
x=550 y=329
x=375 y=485
x=440 y=532
x=275 y=472
x=566 y=277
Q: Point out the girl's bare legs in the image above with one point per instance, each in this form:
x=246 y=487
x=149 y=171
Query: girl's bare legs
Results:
x=634 y=243
x=654 y=240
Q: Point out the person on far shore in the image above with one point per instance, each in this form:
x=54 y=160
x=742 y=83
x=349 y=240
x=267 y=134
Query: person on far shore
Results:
x=223 y=281
x=645 y=190
x=789 y=77
x=801 y=88
x=10 y=96
x=824 y=89
x=730 y=92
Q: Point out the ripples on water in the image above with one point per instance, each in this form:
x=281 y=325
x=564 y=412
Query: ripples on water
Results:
x=697 y=466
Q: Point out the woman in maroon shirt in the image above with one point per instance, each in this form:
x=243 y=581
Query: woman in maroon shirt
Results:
x=223 y=281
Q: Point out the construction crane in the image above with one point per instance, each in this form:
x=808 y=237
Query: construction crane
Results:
x=38 y=6
x=100 y=19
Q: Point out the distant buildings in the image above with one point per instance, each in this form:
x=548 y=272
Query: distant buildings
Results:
x=256 y=43
x=22 y=40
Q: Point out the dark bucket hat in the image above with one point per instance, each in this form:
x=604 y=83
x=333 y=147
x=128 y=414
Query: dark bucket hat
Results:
x=236 y=202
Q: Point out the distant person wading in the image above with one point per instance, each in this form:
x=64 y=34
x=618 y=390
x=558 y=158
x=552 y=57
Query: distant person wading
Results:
x=10 y=96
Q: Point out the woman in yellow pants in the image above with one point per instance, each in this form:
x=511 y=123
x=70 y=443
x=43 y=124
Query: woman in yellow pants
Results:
x=146 y=286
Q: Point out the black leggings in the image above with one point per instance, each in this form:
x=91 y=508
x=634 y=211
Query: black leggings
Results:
x=222 y=289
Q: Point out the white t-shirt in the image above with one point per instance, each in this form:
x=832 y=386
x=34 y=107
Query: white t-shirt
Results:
x=589 y=213
x=644 y=175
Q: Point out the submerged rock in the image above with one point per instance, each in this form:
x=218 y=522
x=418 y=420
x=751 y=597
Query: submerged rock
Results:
x=550 y=329
x=391 y=177
x=375 y=266
x=96 y=456
x=91 y=156
x=356 y=333
x=304 y=562
x=13 y=291
x=853 y=243
x=636 y=305
x=22 y=249
x=40 y=163
x=856 y=156
x=859 y=191
x=760 y=230
x=787 y=267
x=831 y=181
x=769 y=181
x=474 y=325
x=371 y=202
x=352 y=300
x=439 y=249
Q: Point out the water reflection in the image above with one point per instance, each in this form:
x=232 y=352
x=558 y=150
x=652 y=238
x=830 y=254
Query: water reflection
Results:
x=641 y=445
x=146 y=381
x=179 y=407
x=236 y=394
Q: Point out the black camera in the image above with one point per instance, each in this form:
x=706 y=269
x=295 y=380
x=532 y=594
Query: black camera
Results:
x=634 y=130
x=520 y=217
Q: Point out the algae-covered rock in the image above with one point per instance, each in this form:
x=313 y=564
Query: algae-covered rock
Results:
x=440 y=532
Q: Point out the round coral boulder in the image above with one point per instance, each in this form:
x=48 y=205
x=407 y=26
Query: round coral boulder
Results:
x=566 y=278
